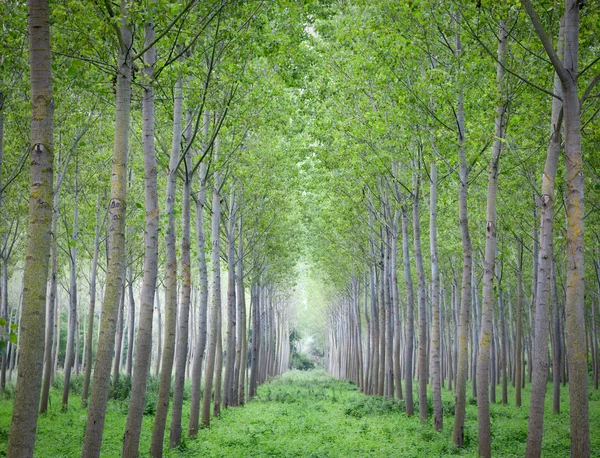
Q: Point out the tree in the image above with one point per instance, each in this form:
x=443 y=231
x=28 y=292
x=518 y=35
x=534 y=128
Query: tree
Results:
x=568 y=71
x=27 y=395
x=116 y=241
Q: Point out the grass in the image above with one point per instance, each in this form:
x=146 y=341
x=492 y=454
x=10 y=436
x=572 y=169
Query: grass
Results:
x=309 y=414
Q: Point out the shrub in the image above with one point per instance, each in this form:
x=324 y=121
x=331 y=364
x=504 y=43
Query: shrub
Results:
x=301 y=362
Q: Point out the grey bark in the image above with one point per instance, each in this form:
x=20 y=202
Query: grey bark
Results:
x=458 y=433
x=489 y=265
x=168 y=352
x=216 y=291
x=141 y=365
x=184 y=304
x=202 y=268
x=408 y=374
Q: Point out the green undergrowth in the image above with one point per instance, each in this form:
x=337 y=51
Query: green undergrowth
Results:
x=309 y=414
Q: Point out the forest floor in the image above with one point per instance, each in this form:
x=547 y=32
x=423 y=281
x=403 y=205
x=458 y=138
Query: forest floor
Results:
x=309 y=414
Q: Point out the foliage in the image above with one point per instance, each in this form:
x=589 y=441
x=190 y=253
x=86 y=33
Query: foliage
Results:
x=301 y=362
x=310 y=414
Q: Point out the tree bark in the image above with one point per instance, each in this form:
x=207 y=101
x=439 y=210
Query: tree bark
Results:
x=216 y=290
x=90 y=330
x=141 y=365
x=256 y=331
x=544 y=279
x=184 y=305
x=228 y=398
x=241 y=297
x=487 y=310
x=462 y=355
x=201 y=341
x=410 y=332
x=168 y=353
x=436 y=335
x=24 y=420
x=73 y=328
x=131 y=322
x=574 y=307
x=422 y=350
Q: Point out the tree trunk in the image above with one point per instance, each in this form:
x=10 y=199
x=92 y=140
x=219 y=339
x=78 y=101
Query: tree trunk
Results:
x=231 y=312
x=91 y=313
x=458 y=433
x=241 y=297
x=24 y=420
x=254 y=302
x=503 y=337
x=159 y=334
x=116 y=246
x=70 y=353
x=487 y=310
x=436 y=334
x=410 y=332
x=201 y=340
x=184 y=306
x=557 y=351
x=395 y=307
x=131 y=325
x=51 y=336
x=141 y=365
x=544 y=280
x=575 y=307
x=119 y=336
x=168 y=353
x=216 y=289
x=422 y=350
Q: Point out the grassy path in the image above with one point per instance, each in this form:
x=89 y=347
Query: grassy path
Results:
x=309 y=414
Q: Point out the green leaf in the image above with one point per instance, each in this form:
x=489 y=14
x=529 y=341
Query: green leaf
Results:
x=3 y=322
x=12 y=337
x=2 y=348
x=14 y=326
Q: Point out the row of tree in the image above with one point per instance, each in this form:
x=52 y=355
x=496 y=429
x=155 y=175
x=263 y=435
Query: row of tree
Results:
x=168 y=82
x=422 y=99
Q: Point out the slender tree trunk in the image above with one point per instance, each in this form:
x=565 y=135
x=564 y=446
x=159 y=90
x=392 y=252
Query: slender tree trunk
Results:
x=574 y=307
x=119 y=336
x=184 y=306
x=256 y=331
x=544 y=281
x=395 y=306
x=116 y=247
x=503 y=337
x=422 y=350
x=557 y=353
x=51 y=335
x=408 y=373
x=241 y=297
x=73 y=328
x=131 y=325
x=216 y=290
x=218 y=369
x=141 y=365
x=461 y=353
x=487 y=311
x=24 y=420
x=231 y=313
x=168 y=354
x=159 y=335
x=201 y=341
x=90 y=330
x=436 y=335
